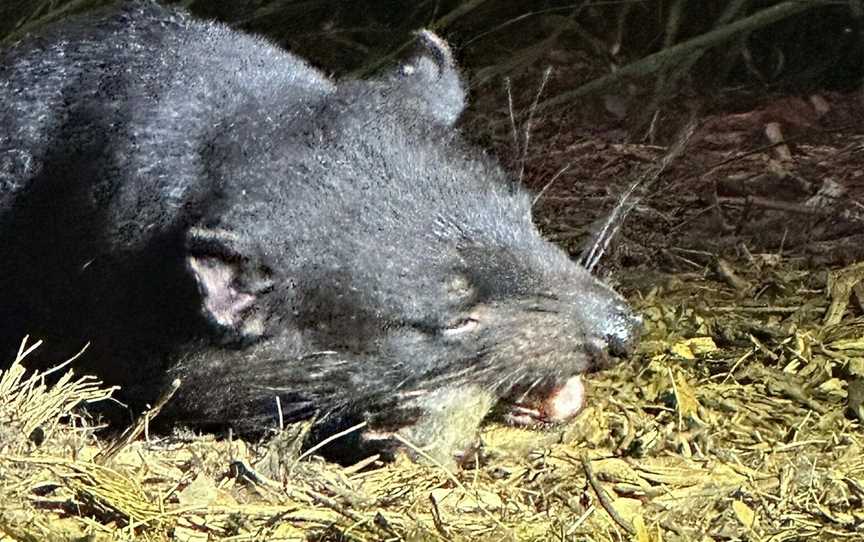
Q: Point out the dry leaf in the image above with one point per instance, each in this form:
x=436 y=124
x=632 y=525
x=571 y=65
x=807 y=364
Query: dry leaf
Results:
x=744 y=513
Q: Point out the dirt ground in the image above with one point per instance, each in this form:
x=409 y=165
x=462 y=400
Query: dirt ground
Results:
x=772 y=173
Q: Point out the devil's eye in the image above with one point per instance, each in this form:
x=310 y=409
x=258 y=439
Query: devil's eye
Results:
x=461 y=326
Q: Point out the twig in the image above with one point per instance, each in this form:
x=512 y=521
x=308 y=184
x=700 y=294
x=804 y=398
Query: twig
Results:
x=547 y=185
x=575 y=7
x=603 y=497
x=527 y=139
x=419 y=451
x=644 y=184
x=132 y=432
x=325 y=442
x=776 y=205
x=652 y=63
x=766 y=310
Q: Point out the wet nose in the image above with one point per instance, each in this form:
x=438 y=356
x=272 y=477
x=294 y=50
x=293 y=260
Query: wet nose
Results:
x=623 y=336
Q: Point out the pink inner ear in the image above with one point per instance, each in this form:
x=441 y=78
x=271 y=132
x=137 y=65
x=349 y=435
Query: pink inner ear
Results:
x=221 y=300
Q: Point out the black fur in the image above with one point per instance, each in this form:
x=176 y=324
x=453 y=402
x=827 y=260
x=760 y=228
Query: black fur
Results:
x=196 y=202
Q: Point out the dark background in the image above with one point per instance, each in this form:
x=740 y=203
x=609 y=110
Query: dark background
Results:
x=626 y=76
x=821 y=46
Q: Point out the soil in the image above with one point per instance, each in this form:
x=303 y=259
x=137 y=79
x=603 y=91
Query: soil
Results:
x=783 y=175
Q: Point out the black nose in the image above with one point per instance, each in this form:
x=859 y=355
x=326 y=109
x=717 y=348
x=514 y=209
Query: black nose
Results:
x=622 y=336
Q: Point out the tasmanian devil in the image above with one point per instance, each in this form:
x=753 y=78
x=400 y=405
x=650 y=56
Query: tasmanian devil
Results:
x=195 y=202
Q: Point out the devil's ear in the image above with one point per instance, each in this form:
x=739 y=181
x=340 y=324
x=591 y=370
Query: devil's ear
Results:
x=429 y=81
x=230 y=279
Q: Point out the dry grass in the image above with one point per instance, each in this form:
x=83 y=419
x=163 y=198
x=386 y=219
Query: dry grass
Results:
x=751 y=440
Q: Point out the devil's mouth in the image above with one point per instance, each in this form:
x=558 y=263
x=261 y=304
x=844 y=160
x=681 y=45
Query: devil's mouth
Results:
x=552 y=404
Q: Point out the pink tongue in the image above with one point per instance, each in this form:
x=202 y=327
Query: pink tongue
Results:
x=566 y=401
x=559 y=406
